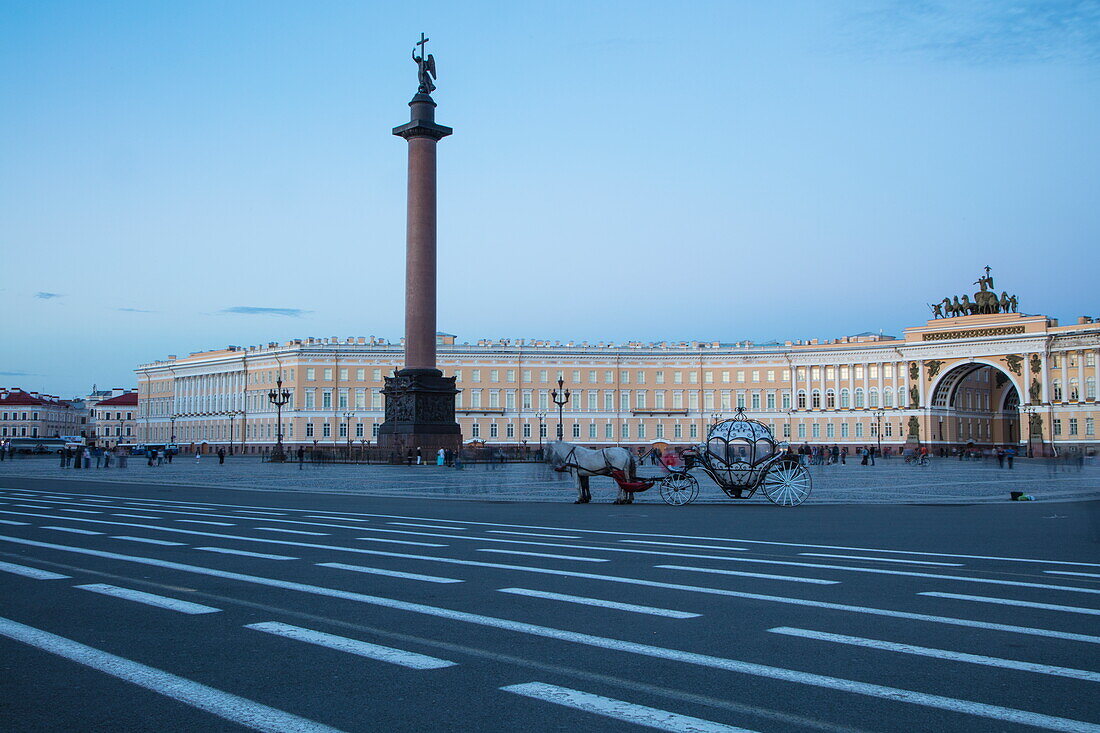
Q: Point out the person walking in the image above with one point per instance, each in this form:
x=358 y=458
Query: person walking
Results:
x=1000 y=457
x=198 y=455
x=107 y=453
x=170 y=453
x=123 y=457
x=301 y=457
x=64 y=453
x=150 y=456
x=221 y=456
x=1009 y=455
x=98 y=453
x=419 y=456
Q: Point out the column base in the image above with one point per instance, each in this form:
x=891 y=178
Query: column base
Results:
x=420 y=413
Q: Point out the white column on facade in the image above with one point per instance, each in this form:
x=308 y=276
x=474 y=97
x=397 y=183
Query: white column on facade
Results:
x=821 y=382
x=1065 y=376
x=1081 y=376
x=1045 y=393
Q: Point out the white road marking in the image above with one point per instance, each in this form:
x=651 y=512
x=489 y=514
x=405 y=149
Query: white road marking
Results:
x=389 y=573
x=80 y=511
x=291 y=531
x=246 y=553
x=428 y=526
x=1077 y=674
x=912 y=574
x=884 y=559
x=136 y=516
x=1066 y=572
x=1048 y=633
x=211 y=505
x=9 y=567
x=17 y=524
x=149 y=599
x=895 y=694
x=72 y=530
x=535 y=534
x=546 y=554
x=633 y=608
x=239 y=710
x=397 y=542
x=338 y=519
x=256 y=511
x=1011 y=602
x=682 y=544
x=147 y=540
x=33 y=506
x=200 y=521
x=412 y=660
x=619 y=710
x=767 y=576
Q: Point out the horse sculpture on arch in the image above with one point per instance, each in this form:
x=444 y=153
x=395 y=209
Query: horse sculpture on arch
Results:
x=584 y=463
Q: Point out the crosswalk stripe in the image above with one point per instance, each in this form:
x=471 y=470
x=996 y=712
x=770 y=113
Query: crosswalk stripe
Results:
x=884 y=559
x=619 y=710
x=428 y=526
x=202 y=521
x=136 y=516
x=682 y=544
x=9 y=567
x=389 y=573
x=1067 y=572
x=1049 y=633
x=1077 y=674
x=291 y=531
x=535 y=534
x=16 y=524
x=1013 y=602
x=545 y=554
x=717 y=571
x=256 y=511
x=149 y=599
x=70 y=530
x=147 y=540
x=411 y=660
x=389 y=541
x=80 y=511
x=631 y=607
x=246 y=553
x=243 y=711
x=994 y=712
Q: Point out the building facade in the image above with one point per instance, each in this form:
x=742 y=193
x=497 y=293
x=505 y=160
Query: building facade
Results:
x=983 y=379
x=116 y=418
x=33 y=415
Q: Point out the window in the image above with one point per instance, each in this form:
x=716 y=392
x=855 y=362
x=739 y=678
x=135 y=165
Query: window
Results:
x=343 y=399
x=756 y=375
x=815 y=373
x=677 y=431
x=859 y=430
x=609 y=431
x=872 y=371
x=624 y=377
x=660 y=430
x=641 y=377
x=693 y=377
x=756 y=401
x=591 y=431
x=526 y=430
x=830 y=372
x=343 y=430
x=859 y=400
x=786 y=401
x=659 y=399
x=844 y=430
x=494 y=398
x=510 y=400
x=343 y=375
x=830 y=399
x=309 y=429
x=593 y=400
x=311 y=399
x=693 y=431
x=326 y=430
x=311 y=374
x=376 y=400
x=801 y=399
x=786 y=430
x=659 y=377
x=1057 y=385
x=609 y=377
x=510 y=376
x=624 y=401
x=641 y=431
x=677 y=377
x=639 y=400
x=1073 y=426
x=475 y=375
x=1090 y=426
x=576 y=430
x=1074 y=390
x=815 y=431
x=770 y=402
x=872 y=397
x=859 y=371
x=526 y=375
x=625 y=431
x=493 y=430
x=770 y=374
x=360 y=375
x=802 y=430
x=328 y=375
x=526 y=399
x=326 y=400
x=1057 y=426
x=475 y=431
x=374 y=430
x=708 y=377
x=1090 y=388
x=376 y=375
x=360 y=399
x=543 y=376
x=494 y=375
x=475 y=398
x=845 y=399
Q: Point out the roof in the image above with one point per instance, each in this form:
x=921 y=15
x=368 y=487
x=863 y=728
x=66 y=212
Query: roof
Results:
x=19 y=398
x=127 y=399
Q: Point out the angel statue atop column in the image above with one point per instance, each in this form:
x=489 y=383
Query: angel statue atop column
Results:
x=425 y=67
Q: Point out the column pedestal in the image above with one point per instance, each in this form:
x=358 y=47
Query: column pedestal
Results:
x=420 y=412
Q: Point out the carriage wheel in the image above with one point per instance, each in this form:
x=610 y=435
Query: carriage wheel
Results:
x=787 y=484
x=679 y=489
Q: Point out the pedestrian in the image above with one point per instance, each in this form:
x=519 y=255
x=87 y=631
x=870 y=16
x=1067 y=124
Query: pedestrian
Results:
x=170 y=453
x=221 y=456
x=98 y=452
x=863 y=451
x=1000 y=457
x=123 y=457
x=871 y=451
x=419 y=456
x=64 y=453
x=198 y=455
x=150 y=456
x=301 y=457
x=844 y=456
x=409 y=457
x=440 y=457
x=1009 y=455
x=107 y=457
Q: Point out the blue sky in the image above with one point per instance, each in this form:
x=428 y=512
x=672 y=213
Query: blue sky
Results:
x=182 y=176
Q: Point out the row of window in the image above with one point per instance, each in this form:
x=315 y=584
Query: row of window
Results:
x=1074 y=389
x=1090 y=426
x=106 y=415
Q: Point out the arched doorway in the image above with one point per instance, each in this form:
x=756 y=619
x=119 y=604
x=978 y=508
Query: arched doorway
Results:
x=975 y=404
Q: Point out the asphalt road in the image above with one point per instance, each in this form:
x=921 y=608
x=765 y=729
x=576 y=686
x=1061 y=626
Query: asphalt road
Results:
x=130 y=607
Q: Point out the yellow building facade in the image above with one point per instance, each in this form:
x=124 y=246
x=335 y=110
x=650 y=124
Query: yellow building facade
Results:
x=994 y=379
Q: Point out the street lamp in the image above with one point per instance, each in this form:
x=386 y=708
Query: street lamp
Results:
x=1026 y=411
x=878 y=428
x=278 y=397
x=540 y=416
x=347 y=423
x=172 y=439
x=560 y=398
x=232 y=416
x=715 y=418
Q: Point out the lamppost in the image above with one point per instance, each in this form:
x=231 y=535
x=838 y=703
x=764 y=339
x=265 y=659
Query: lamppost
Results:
x=715 y=417
x=278 y=397
x=347 y=429
x=232 y=416
x=878 y=428
x=172 y=439
x=540 y=416
x=1026 y=411
x=560 y=398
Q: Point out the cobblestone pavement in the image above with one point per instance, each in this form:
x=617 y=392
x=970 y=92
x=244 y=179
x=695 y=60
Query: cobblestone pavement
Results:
x=891 y=481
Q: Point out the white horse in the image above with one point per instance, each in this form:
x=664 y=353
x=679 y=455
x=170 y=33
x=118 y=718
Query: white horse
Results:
x=586 y=462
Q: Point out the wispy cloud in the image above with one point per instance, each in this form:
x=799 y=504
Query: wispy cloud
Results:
x=251 y=310
x=983 y=31
x=19 y=374
x=46 y=296
x=134 y=310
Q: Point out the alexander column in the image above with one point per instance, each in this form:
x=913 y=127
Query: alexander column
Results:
x=420 y=401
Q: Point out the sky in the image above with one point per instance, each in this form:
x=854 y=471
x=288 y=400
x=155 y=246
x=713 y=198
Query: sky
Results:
x=176 y=177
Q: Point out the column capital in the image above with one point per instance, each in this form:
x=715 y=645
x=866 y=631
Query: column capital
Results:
x=422 y=128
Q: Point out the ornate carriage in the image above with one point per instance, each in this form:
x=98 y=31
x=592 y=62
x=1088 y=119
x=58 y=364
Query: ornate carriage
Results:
x=741 y=456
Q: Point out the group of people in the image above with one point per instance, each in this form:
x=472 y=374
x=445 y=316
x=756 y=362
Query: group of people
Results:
x=83 y=456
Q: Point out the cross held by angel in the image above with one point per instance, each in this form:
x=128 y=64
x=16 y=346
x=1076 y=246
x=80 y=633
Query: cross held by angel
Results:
x=425 y=67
